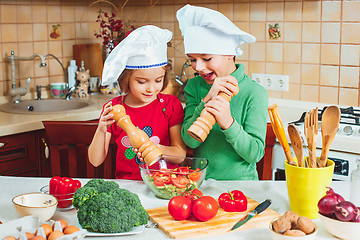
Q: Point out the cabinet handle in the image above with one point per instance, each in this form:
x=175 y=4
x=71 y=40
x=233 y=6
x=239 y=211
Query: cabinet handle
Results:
x=46 y=151
x=3 y=143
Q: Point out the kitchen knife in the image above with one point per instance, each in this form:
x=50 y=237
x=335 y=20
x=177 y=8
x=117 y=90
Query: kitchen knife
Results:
x=259 y=209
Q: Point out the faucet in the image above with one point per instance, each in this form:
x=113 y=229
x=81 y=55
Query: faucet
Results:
x=69 y=91
x=38 y=91
x=178 y=79
x=15 y=92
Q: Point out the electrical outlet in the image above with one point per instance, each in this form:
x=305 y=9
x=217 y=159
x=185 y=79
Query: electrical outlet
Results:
x=269 y=82
x=282 y=83
x=258 y=77
x=272 y=82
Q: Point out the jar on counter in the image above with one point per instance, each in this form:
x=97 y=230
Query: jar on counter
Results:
x=355 y=185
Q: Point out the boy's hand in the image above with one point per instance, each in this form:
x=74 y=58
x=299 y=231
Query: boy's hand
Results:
x=220 y=108
x=106 y=118
x=227 y=84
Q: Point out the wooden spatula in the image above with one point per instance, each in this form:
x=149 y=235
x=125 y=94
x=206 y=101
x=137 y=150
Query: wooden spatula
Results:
x=296 y=143
x=329 y=125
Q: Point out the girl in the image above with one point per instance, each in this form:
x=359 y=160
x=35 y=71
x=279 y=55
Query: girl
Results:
x=140 y=61
x=237 y=141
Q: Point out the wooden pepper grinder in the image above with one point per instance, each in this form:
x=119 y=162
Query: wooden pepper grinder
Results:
x=203 y=124
x=138 y=138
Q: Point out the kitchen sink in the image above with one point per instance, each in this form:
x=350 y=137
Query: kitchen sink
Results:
x=46 y=106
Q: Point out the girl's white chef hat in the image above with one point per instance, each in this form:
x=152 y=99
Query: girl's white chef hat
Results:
x=208 y=31
x=145 y=47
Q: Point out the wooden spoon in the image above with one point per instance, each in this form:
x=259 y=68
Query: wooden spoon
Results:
x=329 y=126
x=296 y=143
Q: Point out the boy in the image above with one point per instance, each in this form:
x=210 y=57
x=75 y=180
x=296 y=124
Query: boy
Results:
x=237 y=140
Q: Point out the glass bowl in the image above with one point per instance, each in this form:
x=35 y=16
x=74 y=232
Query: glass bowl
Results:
x=64 y=200
x=167 y=180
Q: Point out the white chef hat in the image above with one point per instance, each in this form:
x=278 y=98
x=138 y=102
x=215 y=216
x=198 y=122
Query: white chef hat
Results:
x=208 y=31
x=145 y=47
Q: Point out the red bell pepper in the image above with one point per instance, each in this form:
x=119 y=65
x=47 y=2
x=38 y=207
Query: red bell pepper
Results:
x=234 y=201
x=63 y=189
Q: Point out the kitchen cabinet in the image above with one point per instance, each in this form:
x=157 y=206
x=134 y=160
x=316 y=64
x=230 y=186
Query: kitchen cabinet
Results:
x=43 y=153
x=19 y=156
x=264 y=166
x=31 y=154
x=68 y=142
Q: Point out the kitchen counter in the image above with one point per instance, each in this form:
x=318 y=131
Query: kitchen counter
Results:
x=257 y=190
x=18 y=123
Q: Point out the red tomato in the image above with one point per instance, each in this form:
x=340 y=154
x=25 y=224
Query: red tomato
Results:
x=205 y=208
x=179 y=207
x=195 y=175
x=161 y=178
x=194 y=194
x=180 y=181
x=182 y=170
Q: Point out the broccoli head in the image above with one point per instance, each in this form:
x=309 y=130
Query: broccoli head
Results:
x=82 y=195
x=107 y=208
x=101 y=185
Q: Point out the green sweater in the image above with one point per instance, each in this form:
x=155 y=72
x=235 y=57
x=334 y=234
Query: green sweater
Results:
x=234 y=152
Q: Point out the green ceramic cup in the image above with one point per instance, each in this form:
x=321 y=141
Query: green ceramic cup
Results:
x=58 y=90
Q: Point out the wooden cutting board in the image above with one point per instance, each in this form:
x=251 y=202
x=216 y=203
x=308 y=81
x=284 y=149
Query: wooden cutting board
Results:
x=91 y=54
x=220 y=224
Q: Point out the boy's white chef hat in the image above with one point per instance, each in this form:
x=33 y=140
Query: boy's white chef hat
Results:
x=145 y=47
x=208 y=31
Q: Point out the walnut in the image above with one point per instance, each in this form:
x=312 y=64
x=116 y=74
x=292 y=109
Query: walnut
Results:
x=292 y=217
x=305 y=224
x=294 y=233
x=281 y=225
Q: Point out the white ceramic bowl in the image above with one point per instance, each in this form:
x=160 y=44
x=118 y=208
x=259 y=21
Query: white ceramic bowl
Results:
x=278 y=236
x=40 y=204
x=343 y=230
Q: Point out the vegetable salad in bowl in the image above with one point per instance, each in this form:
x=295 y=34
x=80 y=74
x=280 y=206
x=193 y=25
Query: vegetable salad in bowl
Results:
x=167 y=180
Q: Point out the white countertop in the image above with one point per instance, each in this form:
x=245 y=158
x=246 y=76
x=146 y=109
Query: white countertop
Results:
x=17 y=123
x=257 y=190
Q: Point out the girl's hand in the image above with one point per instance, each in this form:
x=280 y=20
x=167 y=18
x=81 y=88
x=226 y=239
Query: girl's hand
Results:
x=220 y=108
x=106 y=118
x=138 y=154
x=227 y=84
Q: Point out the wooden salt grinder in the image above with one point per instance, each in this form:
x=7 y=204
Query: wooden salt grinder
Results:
x=138 y=138
x=200 y=129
